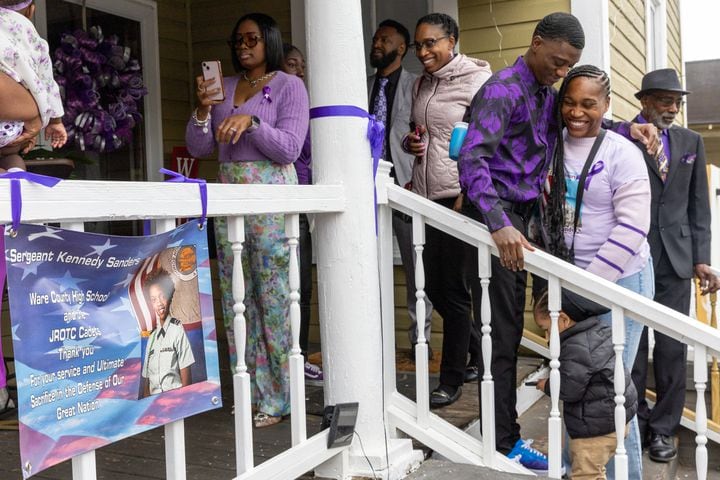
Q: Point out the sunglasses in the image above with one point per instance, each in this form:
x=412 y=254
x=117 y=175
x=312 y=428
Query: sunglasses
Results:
x=250 y=40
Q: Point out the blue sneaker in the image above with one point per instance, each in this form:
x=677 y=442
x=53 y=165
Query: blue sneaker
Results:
x=528 y=457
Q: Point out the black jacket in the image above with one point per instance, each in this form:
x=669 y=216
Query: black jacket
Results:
x=680 y=208
x=587 y=365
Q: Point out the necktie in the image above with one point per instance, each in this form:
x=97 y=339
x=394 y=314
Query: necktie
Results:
x=662 y=162
x=380 y=106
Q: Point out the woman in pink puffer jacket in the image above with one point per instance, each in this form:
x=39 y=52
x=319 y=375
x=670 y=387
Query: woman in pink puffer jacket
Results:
x=441 y=97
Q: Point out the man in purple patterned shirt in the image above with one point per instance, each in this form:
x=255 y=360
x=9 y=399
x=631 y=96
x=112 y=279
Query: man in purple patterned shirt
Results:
x=503 y=164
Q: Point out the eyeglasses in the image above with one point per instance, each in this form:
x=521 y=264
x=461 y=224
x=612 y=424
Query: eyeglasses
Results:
x=249 y=40
x=427 y=44
x=669 y=101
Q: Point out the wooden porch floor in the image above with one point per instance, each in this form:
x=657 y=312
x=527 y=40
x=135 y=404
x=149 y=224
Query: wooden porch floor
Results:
x=209 y=437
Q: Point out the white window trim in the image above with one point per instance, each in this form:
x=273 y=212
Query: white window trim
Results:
x=655 y=48
x=594 y=17
x=145 y=13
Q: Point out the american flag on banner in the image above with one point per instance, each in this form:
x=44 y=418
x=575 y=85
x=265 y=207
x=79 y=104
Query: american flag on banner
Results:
x=140 y=304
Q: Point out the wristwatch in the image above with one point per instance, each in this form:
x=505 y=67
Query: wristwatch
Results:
x=255 y=123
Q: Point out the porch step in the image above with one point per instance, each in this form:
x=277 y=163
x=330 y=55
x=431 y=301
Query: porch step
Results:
x=441 y=469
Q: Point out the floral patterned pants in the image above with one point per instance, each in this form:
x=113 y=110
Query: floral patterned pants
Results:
x=265 y=261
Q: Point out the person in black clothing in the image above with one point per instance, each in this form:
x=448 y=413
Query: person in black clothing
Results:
x=587 y=366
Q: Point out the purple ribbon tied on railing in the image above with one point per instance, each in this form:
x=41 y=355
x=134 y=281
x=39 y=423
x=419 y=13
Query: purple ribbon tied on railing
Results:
x=597 y=168
x=180 y=178
x=375 y=133
x=16 y=191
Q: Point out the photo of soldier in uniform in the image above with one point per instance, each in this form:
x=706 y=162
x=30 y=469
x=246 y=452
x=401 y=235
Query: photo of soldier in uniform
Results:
x=168 y=355
x=166 y=301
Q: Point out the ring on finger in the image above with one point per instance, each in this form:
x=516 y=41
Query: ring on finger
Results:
x=233 y=129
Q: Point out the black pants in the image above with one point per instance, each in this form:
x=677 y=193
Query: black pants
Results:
x=305 y=282
x=669 y=358
x=507 y=300
x=447 y=261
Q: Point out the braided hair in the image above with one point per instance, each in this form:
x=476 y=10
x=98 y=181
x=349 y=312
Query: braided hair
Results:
x=554 y=214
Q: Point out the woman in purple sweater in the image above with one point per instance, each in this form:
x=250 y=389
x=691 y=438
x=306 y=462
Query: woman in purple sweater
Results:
x=259 y=130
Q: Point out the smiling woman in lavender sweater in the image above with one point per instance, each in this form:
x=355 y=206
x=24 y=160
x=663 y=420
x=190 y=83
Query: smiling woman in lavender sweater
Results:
x=259 y=130
x=610 y=240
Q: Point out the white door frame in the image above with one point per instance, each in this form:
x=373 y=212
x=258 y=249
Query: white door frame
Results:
x=145 y=13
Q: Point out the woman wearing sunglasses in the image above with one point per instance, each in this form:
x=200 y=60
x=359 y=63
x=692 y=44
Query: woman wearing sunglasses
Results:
x=441 y=97
x=259 y=130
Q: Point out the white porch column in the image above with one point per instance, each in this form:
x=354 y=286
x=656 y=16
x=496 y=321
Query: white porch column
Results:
x=348 y=283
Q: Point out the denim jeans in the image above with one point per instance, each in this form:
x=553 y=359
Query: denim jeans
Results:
x=642 y=282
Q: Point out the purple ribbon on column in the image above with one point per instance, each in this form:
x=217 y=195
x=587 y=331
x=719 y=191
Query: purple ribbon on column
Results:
x=597 y=168
x=16 y=191
x=375 y=133
x=180 y=178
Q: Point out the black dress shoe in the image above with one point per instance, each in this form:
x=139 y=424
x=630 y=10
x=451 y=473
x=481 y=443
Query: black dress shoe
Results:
x=662 y=448
x=444 y=395
x=471 y=373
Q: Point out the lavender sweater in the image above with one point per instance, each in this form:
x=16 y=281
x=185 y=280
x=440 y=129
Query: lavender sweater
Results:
x=615 y=213
x=283 y=126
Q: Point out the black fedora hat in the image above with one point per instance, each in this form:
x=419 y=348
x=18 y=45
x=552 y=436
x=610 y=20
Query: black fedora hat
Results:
x=663 y=79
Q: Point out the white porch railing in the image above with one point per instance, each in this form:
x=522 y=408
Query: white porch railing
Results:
x=73 y=202
x=415 y=419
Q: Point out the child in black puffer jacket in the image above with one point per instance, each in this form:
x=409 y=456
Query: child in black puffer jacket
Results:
x=587 y=366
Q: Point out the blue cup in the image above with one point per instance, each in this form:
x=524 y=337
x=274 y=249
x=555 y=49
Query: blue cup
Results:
x=456 y=139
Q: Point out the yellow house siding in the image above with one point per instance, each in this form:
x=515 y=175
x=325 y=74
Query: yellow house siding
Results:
x=173 y=32
x=480 y=21
x=627 y=55
x=673 y=35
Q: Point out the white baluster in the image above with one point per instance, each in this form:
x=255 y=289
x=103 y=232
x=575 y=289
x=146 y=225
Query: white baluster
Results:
x=297 y=363
x=700 y=377
x=387 y=286
x=241 y=379
x=175 y=431
x=422 y=381
x=83 y=466
x=487 y=386
x=554 y=422
x=618 y=339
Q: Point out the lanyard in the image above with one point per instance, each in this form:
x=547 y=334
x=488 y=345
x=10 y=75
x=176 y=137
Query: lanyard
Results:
x=581 y=188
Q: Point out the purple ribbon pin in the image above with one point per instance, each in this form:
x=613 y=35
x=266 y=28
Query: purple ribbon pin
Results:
x=176 y=177
x=375 y=133
x=16 y=191
x=597 y=168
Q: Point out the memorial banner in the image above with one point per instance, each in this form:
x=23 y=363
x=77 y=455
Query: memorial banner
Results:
x=112 y=336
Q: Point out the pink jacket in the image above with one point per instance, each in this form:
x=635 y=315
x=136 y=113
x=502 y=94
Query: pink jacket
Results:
x=439 y=100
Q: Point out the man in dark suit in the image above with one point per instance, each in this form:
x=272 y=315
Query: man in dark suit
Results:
x=679 y=240
x=390 y=91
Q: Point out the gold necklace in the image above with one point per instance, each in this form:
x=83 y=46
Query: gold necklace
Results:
x=257 y=80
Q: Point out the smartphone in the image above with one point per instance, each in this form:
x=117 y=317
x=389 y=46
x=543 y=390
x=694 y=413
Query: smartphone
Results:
x=531 y=384
x=213 y=69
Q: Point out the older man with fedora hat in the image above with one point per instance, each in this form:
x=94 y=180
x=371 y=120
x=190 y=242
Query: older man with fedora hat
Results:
x=679 y=240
